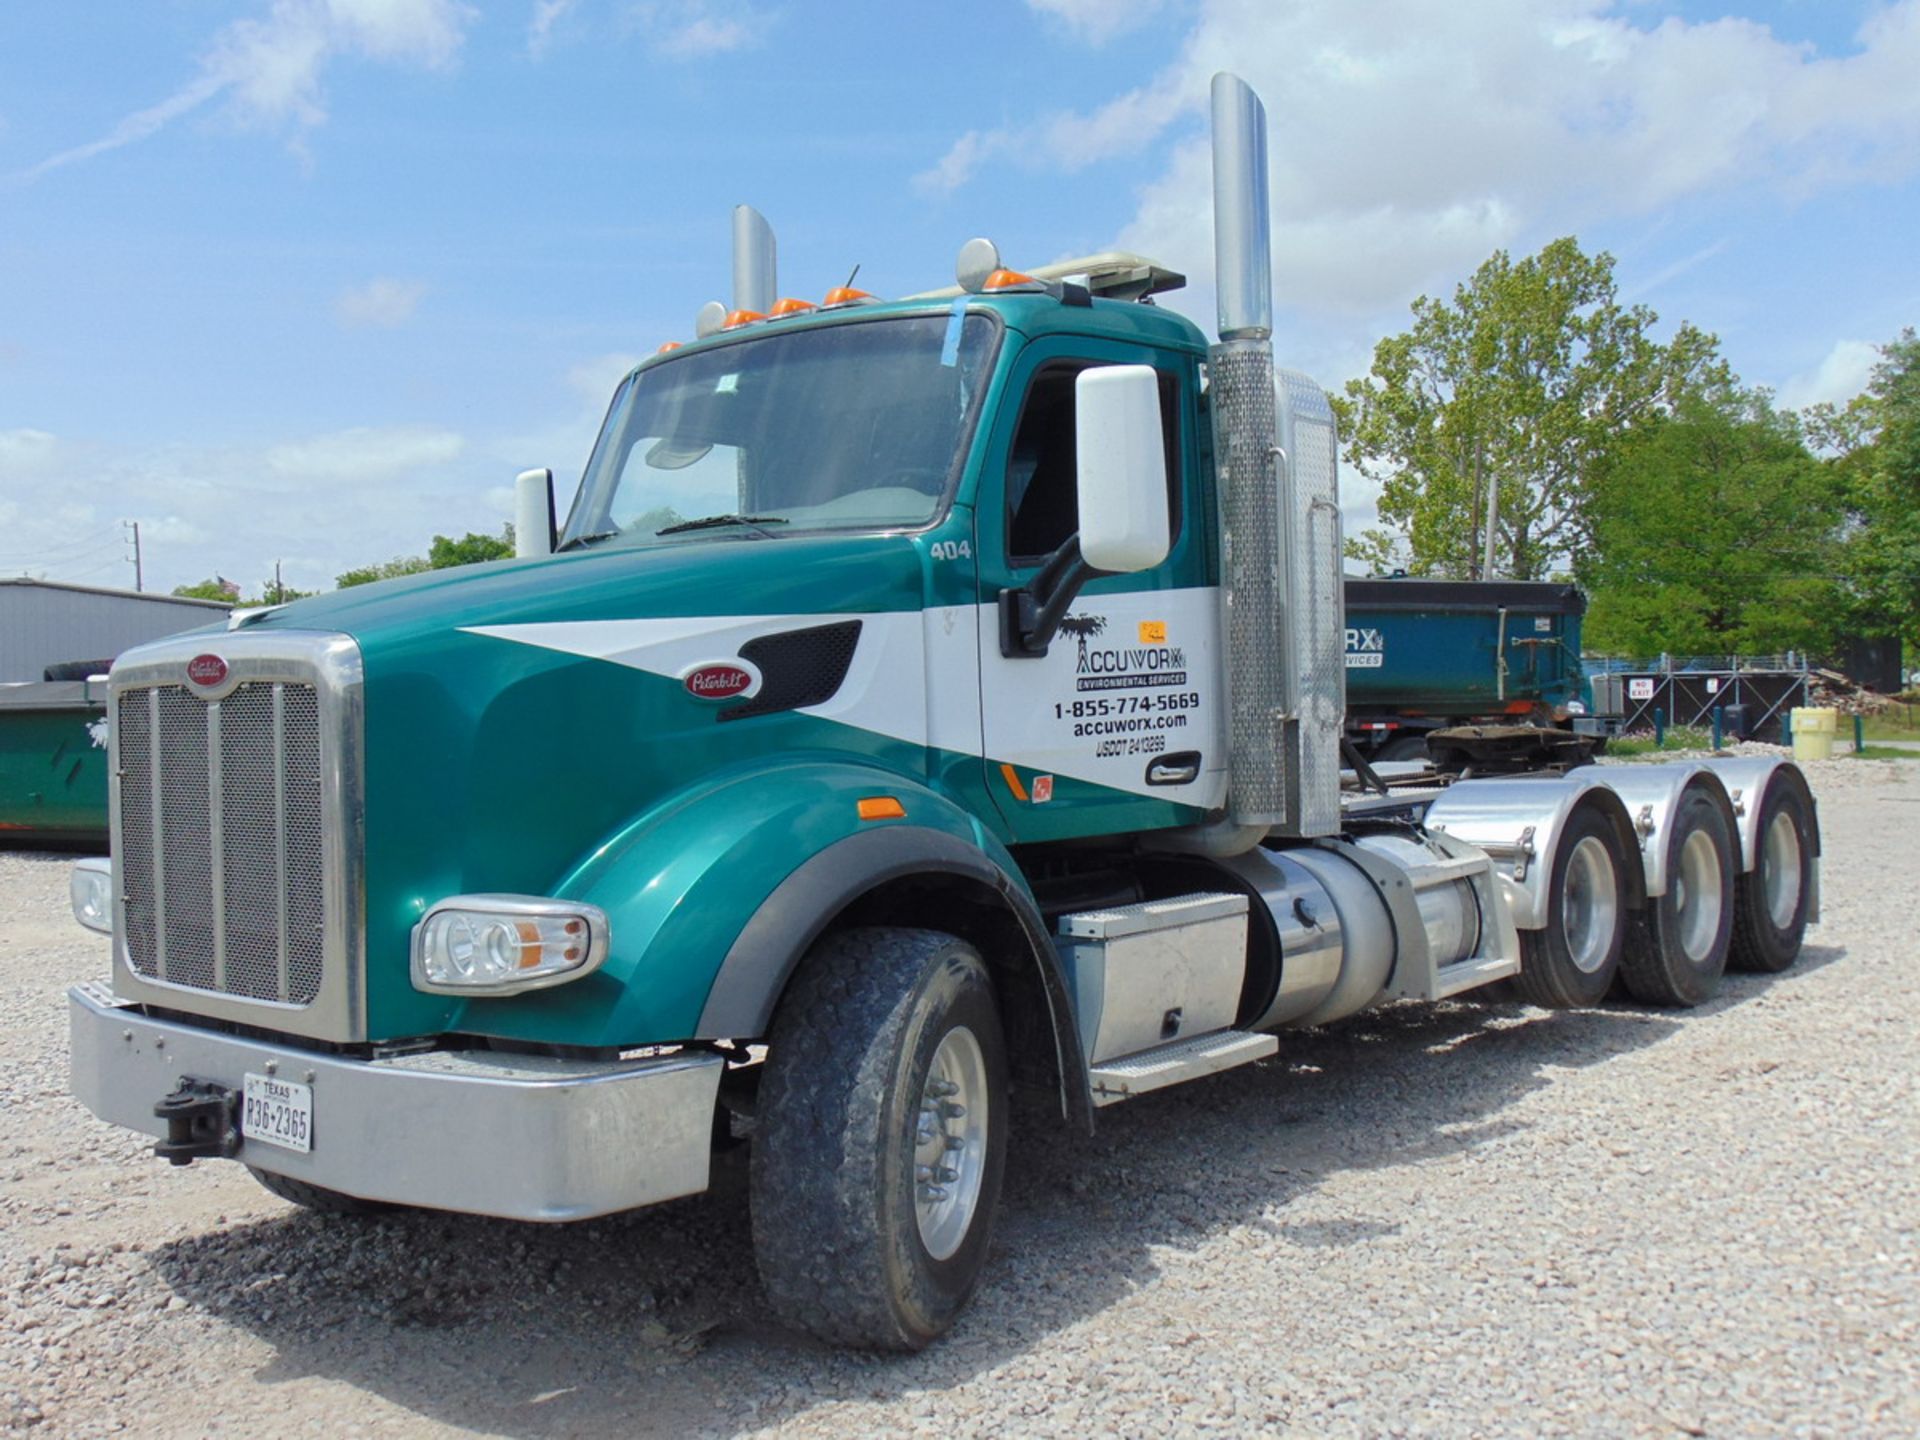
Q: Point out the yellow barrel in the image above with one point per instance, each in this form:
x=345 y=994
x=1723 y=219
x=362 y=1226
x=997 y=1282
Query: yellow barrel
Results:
x=1813 y=731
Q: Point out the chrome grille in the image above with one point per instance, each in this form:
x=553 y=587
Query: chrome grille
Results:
x=220 y=845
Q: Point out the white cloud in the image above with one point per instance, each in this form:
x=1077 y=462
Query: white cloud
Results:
x=695 y=29
x=1408 y=140
x=1839 y=377
x=546 y=15
x=594 y=379
x=381 y=303
x=270 y=69
x=365 y=453
x=1097 y=21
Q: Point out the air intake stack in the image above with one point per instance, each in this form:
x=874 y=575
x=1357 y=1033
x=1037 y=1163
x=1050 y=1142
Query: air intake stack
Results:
x=755 y=284
x=1275 y=452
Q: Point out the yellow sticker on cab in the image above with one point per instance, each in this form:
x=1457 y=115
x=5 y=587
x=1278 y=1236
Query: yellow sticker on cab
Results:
x=1153 y=632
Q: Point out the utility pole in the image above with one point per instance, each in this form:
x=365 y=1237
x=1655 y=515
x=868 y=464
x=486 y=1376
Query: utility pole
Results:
x=134 y=526
x=279 y=590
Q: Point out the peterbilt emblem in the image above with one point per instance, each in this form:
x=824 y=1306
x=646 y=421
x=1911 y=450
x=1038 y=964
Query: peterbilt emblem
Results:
x=720 y=680
x=206 y=671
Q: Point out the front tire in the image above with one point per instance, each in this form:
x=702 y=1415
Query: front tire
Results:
x=316 y=1198
x=880 y=1138
x=1679 y=950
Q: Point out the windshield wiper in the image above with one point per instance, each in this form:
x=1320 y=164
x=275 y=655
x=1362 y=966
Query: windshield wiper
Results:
x=585 y=540
x=709 y=522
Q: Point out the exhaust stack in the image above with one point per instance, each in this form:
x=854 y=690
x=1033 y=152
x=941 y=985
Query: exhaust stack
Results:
x=754 y=278
x=1275 y=452
x=1242 y=251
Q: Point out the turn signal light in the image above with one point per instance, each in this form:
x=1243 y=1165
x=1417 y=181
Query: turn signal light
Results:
x=882 y=807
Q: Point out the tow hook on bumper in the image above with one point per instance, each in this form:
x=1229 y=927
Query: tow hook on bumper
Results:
x=203 y=1122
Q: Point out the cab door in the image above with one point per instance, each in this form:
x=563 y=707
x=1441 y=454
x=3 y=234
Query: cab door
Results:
x=1119 y=726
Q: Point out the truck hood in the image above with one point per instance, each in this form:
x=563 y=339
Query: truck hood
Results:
x=730 y=575
x=521 y=715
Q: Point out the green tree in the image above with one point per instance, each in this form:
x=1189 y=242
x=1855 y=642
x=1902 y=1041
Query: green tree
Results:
x=470 y=549
x=443 y=554
x=1875 y=444
x=385 y=570
x=1521 y=383
x=1714 y=530
x=207 y=590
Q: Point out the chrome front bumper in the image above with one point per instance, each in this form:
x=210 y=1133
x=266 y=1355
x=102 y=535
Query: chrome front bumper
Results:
x=523 y=1137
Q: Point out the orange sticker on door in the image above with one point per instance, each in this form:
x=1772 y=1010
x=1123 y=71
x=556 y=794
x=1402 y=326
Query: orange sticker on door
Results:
x=1153 y=632
x=1042 y=789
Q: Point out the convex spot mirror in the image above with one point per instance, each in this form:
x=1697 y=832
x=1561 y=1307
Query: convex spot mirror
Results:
x=1122 y=461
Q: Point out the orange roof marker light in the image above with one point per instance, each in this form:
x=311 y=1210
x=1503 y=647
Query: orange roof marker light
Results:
x=882 y=807
x=737 y=318
x=670 y=345
x=1005 y=282
x=790 y=306
x=842 y=296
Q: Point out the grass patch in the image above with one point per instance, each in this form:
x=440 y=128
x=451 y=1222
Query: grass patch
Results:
x=1884 y=752
x=1897 y=722
x=1680 y=737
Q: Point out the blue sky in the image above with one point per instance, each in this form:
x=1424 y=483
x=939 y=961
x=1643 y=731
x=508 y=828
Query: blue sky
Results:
x=309 y=280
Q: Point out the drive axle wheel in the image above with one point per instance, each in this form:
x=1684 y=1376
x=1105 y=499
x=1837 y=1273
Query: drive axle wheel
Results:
x=880 y=1138
x=1678 y=952
x=1770 y=902
x=1573 y=961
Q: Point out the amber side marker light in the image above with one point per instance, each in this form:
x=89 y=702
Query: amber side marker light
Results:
x=882 y=807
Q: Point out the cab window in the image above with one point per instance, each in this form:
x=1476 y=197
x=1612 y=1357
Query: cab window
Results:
x=1043 y=509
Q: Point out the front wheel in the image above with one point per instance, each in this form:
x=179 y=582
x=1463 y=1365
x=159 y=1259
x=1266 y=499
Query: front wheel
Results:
x=880 y=1138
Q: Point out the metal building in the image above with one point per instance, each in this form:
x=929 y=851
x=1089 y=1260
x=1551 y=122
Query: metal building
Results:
x=44 y=622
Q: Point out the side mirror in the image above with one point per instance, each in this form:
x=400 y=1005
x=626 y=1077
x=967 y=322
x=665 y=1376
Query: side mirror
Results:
x=533 y=513
x=1122 y=480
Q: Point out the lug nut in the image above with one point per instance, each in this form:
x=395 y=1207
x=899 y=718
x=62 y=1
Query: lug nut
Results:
x=952 y=1110
x=954 y=1142
x=932 y=1194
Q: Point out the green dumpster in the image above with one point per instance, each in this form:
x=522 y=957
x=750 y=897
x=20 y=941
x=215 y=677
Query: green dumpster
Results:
x=53 y=763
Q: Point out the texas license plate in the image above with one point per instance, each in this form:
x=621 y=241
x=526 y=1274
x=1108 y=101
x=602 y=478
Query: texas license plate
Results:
x=277 y=1112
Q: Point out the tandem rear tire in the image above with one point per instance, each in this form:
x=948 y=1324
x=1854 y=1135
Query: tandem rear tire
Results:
x=317 y=1198
x=1678 y=951
x=1574 y=961
x=1770 y=902
x=881 y=1138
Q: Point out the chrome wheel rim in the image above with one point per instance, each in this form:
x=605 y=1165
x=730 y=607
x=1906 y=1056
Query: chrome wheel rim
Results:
x=1590 y=904
x=1780 y=870
x=950 y=1143
x=1696 y=895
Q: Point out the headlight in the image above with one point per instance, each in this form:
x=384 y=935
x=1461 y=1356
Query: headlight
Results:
x=90 y=890
x=501 y=944
x=1576 y=707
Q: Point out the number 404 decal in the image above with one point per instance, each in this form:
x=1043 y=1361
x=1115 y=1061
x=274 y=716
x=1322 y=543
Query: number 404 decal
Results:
x=952 y=550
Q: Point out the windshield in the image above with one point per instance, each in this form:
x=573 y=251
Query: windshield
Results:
x=852 y=426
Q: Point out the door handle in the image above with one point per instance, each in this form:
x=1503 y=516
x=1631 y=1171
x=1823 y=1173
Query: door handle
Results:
x=1182 y=767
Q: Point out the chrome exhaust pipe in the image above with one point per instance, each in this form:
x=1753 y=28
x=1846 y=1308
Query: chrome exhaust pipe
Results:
x=1242 y=245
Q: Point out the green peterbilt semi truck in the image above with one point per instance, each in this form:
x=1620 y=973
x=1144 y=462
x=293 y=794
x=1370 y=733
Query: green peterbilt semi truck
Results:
x=921 y=700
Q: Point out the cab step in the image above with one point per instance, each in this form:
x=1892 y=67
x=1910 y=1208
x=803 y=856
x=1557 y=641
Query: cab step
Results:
x=1180 y=1060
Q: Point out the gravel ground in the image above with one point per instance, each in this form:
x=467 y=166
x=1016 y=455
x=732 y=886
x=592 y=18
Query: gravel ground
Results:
x=1455 y=1220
